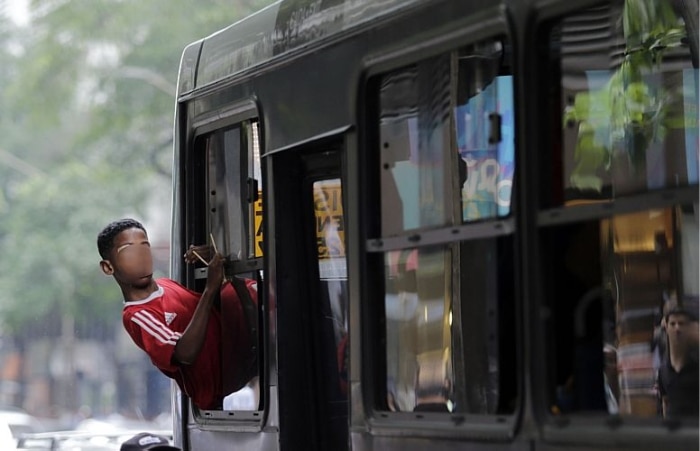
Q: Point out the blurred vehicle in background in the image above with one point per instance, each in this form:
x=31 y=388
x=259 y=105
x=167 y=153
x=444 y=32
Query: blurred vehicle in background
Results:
x=79 y=440
x=19 y=421
x=7 y=441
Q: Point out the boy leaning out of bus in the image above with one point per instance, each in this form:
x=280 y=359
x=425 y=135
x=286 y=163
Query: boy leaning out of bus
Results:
x=178 y=328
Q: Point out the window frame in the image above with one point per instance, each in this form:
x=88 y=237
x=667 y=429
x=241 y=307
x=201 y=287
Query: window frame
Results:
x=493 y=26
x=578 y=428
x=213 y=123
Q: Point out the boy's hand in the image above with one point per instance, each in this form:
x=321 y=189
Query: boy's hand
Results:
x=215 y=274
x=194 y=253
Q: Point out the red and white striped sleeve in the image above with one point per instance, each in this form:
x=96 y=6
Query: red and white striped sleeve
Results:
x=150 y=332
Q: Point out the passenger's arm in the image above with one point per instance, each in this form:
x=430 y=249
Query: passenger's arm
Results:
x=190 y=343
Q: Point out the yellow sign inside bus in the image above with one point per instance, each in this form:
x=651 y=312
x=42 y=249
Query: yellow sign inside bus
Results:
x=330 y=228
x=258 y=222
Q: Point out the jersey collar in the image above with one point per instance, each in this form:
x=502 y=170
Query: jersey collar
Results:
x=156 y=294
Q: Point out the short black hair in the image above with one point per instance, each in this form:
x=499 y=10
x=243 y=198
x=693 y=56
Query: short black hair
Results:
x=680 y=311
x=105 y=239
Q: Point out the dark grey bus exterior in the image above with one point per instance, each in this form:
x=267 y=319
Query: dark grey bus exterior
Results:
x=473 y=223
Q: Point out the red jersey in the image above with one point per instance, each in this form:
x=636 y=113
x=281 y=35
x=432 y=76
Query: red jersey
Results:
x=157 y=322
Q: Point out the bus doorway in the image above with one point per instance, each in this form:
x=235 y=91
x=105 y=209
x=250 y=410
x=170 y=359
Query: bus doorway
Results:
x=312 y=300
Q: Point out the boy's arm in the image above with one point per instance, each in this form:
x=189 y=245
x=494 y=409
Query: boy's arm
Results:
x=190 y=343
x=198 y=254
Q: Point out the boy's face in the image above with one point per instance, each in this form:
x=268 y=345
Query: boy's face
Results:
x=130 y=260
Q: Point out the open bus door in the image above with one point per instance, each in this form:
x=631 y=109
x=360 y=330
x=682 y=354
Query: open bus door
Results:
x=312 y=300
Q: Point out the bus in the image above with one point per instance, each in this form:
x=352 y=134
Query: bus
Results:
x=473 y=224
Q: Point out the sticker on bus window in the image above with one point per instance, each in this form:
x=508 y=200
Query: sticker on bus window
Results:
x=330 y=230
x=258 y=222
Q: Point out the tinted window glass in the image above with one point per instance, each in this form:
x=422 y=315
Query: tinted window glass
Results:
x=447 y=158
x=449 y=326
x=234 y=206
x=628 y=104
x=625 y=79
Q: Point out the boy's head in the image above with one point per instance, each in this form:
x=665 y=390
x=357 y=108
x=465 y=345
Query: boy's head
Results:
x=105 y=239
x=126 y=252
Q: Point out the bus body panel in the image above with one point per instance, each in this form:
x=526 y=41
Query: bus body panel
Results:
x=305 y=66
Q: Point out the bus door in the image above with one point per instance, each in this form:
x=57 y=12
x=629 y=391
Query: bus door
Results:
x=312 y=300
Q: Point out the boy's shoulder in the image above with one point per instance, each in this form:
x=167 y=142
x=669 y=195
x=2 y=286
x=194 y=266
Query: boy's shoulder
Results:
x=172 y=288
x=166 y=282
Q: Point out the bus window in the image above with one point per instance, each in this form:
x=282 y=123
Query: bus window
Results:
x=621 y=285
x=413 y=138
x=613 y=283
x=414 y=132
x=445 y=337
x=484 y=132
x=446 y=143
x=234 y=228
x=330 y=231
x=333 y=327
x=628 y=107
x=254 y=185
x=234 y=192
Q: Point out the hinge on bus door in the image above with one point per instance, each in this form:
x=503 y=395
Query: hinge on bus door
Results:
x=252 y=194
x=494 y=128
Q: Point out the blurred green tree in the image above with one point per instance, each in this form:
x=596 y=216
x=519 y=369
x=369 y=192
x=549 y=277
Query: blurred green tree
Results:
x=89 y=95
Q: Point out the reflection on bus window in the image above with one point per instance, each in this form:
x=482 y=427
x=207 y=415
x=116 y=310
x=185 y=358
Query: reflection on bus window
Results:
x=644 y=265
x=225 y=190
x=484 y=132
x=234 y=196
x=628 y=111
x=414 y=131
x=629 y=99
x=330 y=230
x=613 y=339
x=421 y=117
x=234 y=226
x=417 y=310
x=447 y=158
x=442 y=334
x=332 y=267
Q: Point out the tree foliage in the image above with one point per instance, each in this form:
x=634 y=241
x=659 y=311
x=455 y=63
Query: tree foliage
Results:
x=89 y=95
x=630 y=110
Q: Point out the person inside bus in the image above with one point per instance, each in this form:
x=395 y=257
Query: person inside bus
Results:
x=179 y=329
x=678 y=375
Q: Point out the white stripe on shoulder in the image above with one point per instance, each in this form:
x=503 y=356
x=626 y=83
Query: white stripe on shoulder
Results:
x=150 y=332
x=157 y=324
x=148 y=316
x=155 y=328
